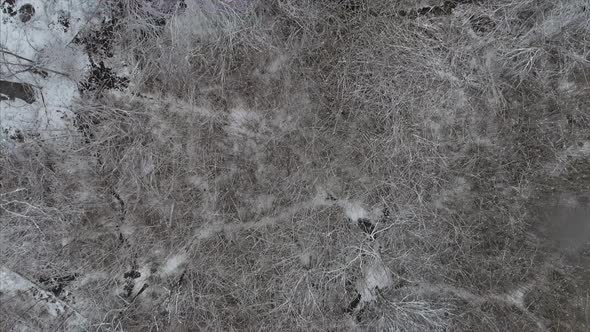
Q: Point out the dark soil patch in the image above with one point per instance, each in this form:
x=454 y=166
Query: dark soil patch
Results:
x=132 y=274
x=40 y=72
x=561 y=301
x=445 y=9
x=26 y=12
x=103 y=78
x=14 y=90
x=350 y=6
x=17 y=136
x=85 y=123
x=129 y=281
x=56 y=285
x=366 y=226
x=8 y=7
x=64 y=20
x=482 y=24
x=354 y=304
x=99 y=43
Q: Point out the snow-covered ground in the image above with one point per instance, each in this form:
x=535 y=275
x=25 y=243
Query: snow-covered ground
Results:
x=40 y=52
x=43 y=310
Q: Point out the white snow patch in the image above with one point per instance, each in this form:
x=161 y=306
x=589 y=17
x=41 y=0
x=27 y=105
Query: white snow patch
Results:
x=277 y=64
x=354 y=210
x=127 y=229
x=284 y=121
x=218 y=226
x=209 y=230
x=376 y=276
x=168 y=103
x=66 y=240
x=199 y=182
x=239 y=119
x=517 y=297
x=44 y=42
x=10 y=281
x=305 y=259
x=37 y=304
x=581 y=150
x=264 y=202
x=458 y=189
x=91 y=276
x=173 y=263
x=565 y=85
x=139 y=282
x=26 y=39
x=147 y=165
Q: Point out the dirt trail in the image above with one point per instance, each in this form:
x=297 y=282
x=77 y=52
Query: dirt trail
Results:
x=215 y=227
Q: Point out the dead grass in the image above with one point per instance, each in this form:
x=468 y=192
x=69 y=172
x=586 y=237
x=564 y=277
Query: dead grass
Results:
x=256 y=124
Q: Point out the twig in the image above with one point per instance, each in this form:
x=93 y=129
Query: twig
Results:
x=13 y=192
x=24 y=217
x=34 y=66
x=15 y=55
x=143 y=288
